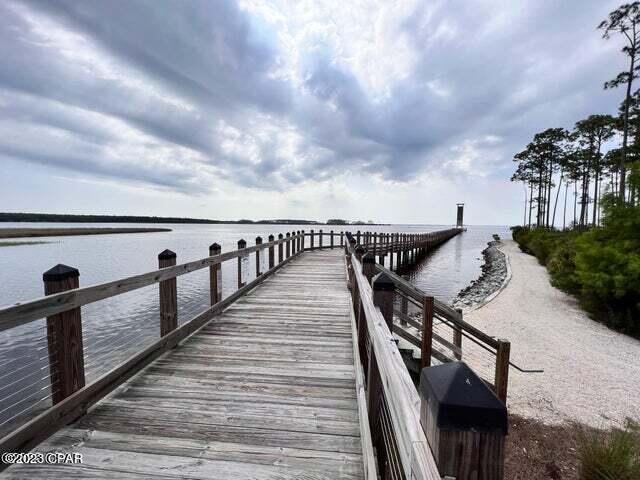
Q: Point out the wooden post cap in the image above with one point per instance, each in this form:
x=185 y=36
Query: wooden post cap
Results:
x=258 y=240
x=242 y=243
x=271 y=238
x=368 y=258
x=288 y=234
x=383 y=283
x=166 y=255
x=280 y=236
x=60 y=272
x=461 y=399
x=214 y=247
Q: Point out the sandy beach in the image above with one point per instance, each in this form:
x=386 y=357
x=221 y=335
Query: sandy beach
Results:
x=591 y=373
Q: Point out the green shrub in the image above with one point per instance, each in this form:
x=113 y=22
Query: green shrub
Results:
x=600 y=266
x=608 y=268
x=610 y=455
x=561 y=265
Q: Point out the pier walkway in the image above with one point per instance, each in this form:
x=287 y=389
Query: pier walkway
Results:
x=266 y=390
x=297 y=374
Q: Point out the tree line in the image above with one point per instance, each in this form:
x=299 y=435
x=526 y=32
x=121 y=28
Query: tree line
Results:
x=585 y=162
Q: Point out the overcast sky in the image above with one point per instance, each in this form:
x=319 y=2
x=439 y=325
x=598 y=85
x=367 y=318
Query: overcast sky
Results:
x=384 y=110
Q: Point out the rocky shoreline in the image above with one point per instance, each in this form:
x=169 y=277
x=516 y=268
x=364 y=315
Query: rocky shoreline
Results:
x=494 y=274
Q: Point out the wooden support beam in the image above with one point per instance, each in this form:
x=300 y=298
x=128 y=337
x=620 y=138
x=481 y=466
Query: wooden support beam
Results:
x=383 y=295
x=320 y=236
x=64 y=336
x=242 y=244
x=215 y=276
x=271 y=253
x=502 y=369
x=168 y=295
x=369 y=266
x=258 y=242
x=288 y=246
x=427 y=332
x=312 y=240
x=331 y=239
x=457 y=336
x=404 y=303
x=280 y=246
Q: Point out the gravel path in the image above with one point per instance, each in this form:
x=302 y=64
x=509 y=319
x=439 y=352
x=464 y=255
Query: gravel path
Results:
x=591 y=374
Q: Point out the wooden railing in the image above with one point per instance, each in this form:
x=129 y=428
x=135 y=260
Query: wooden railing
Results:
x=441 y=334
x=393 y=410
x=393 y=403
x=71 y=394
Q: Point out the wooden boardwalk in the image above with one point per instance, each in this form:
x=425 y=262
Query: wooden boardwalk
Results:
x=266 y=390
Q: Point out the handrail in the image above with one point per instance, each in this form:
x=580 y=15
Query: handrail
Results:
x=25 y=312
x=403 y=401
x=440 y=308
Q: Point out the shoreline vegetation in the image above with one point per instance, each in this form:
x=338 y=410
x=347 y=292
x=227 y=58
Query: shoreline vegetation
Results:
x=63 y=218
x=59 y=232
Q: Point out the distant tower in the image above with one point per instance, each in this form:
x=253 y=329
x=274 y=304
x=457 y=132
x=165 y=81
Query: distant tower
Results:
x=460 y=213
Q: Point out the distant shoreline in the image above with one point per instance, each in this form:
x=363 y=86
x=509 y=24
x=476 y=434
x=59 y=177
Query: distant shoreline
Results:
x=60 y=218
x=59 y=232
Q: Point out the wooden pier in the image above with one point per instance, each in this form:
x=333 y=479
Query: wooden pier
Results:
x=296 y=375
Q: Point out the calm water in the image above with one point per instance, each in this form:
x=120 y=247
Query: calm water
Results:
x=115 y=328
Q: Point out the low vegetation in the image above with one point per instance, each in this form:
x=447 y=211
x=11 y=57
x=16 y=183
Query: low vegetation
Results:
x=600 y=266
x=614 y=454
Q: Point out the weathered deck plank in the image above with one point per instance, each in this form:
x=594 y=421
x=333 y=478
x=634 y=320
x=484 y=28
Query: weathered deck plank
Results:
x=266 y=390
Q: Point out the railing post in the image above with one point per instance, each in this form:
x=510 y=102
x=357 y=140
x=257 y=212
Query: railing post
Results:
x=280 y=246
x=369 y=266
x=312 y=240
x=398 y=252
x=383 y=293
x=358 y=237
x=242 y=244
x=502 y=369
x=342 y=239
x=298 y=241
x=331 y=239
x=215 y=277
x=427 y=331
x=404 y=303
x=168 y=295
x=258 y=242
x=271 y=253
x=288 y=246
x=302 y=239
x=360 y=252
x=320 y=235
x=457 y=336
x=64 y=336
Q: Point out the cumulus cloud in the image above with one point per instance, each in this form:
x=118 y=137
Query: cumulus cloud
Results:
x=269 y=95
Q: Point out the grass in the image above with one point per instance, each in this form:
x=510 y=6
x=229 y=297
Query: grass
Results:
x=612 y=454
